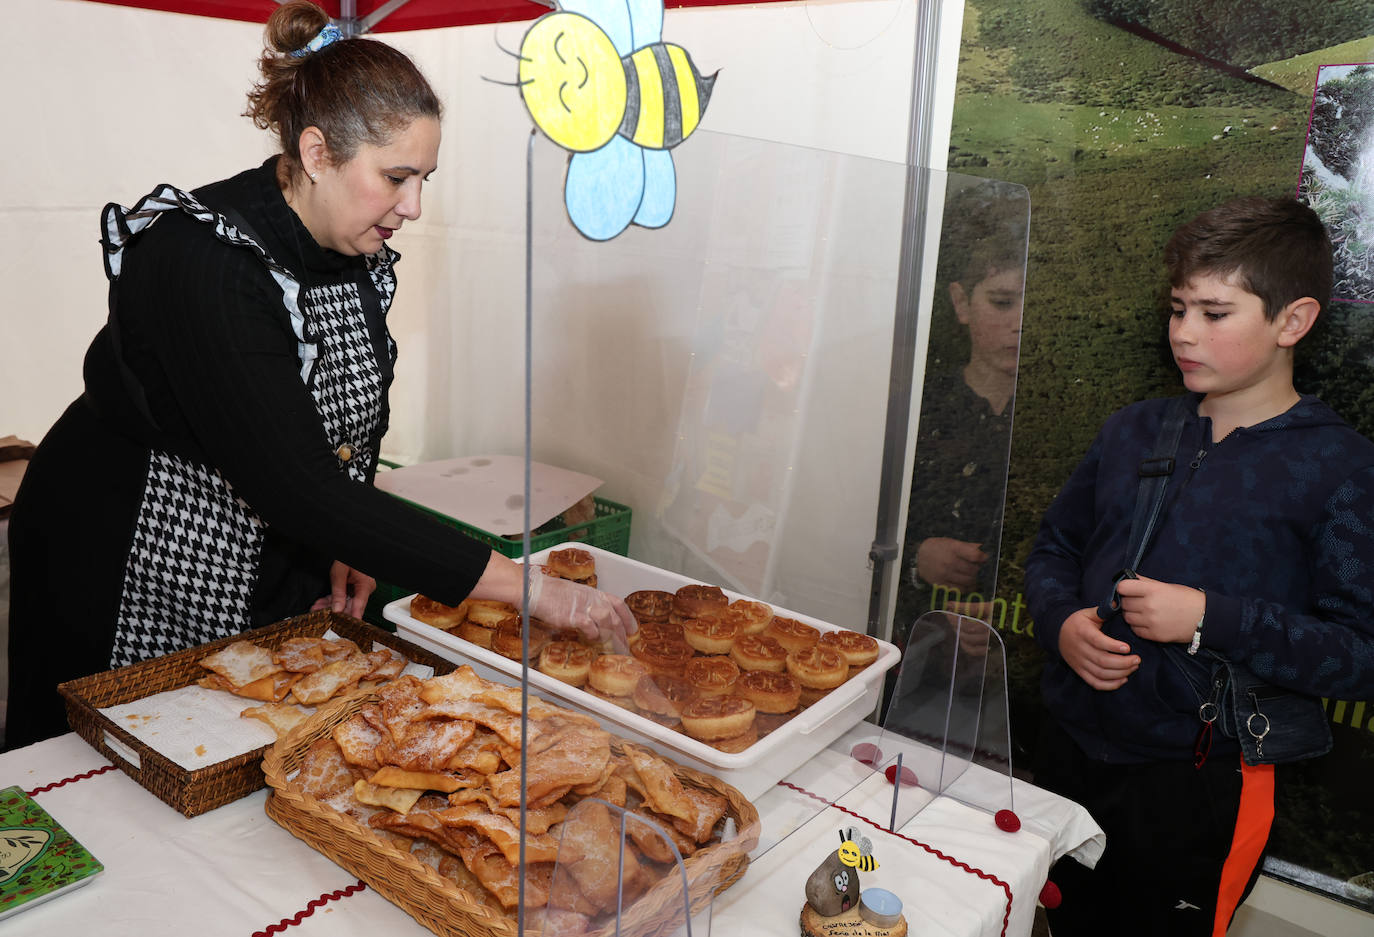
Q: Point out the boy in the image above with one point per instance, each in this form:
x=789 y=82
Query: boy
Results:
x=1264 y=553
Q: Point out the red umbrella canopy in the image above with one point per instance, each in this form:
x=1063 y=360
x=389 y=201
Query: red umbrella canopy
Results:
x=385 y=15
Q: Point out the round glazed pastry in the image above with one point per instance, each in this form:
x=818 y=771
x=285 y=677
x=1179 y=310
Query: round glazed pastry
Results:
x=753 y=617
x=710 y=635
x=858 y=650
x=717 y=717
x=769 y=692
x=737 y=743
x=697 y=601
x=573 y=564
x=650 y=606
x=657 y=631
x=425 y=609
x=506 y=639
x=664 y=656
x=791 y=633
x=818 y=668
x=663 y=696
x=569 y=661
x=712 y=676
x=615 y=674
x=490 y=612
x=475 y=633
x=759 y=652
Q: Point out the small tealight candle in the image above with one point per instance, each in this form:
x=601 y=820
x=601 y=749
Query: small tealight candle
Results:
x=880 y=907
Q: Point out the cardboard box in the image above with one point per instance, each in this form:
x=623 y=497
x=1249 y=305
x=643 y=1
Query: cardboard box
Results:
x=14 y=459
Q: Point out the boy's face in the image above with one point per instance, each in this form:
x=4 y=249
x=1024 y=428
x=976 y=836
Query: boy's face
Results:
x=992 y=312
x=1221 y=340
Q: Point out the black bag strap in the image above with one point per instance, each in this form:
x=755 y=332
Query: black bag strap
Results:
x=1155 y=472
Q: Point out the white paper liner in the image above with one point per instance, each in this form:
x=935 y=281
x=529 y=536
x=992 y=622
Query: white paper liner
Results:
x=196 y=727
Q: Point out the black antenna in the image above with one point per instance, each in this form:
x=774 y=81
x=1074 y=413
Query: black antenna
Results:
x=514 y=55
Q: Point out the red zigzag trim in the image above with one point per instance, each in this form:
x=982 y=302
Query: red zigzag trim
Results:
x=71 y=780
x=319 y=902
x=986 y=876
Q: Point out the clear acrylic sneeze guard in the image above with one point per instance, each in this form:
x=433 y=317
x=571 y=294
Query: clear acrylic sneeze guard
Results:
x=727 y=377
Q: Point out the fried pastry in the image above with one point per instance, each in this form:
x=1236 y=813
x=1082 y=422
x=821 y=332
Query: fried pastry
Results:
x=818 y=668
x=568 y=661
x=650 y=606
x=753 y=617
x=663 y=656
x=717 y=717
x=573 y=563
x=712 y=676
x=697 y=601
x=616 y=674
x=769 y=692
x=432 y=612
x=792 y=634
x=711 y=635
x=663 y=695
x=759 y=652
x=859 y=650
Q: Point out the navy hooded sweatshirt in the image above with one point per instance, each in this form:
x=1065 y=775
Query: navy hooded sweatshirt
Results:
x=1275 y=522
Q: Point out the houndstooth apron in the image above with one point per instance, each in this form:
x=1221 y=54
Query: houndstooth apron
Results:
x=197 y=545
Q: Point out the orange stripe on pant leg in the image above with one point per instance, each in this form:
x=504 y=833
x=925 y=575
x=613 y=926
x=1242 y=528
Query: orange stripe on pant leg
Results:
x=1253 y=820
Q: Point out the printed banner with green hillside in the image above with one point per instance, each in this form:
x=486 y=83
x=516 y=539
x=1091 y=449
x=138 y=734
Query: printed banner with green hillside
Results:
x=1124 y=118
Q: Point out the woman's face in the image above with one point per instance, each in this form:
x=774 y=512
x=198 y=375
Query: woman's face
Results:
x=357 y=205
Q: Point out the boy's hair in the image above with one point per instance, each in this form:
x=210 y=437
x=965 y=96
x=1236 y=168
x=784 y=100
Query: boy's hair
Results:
x=983 y=231
x=1277 y=249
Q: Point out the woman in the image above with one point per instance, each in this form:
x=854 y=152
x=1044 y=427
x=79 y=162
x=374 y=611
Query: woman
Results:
x=216 y=473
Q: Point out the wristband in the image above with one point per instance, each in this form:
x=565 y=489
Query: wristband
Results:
x=1197 y=629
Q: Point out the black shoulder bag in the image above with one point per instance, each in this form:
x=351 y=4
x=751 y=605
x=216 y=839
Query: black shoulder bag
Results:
x=1272 y=725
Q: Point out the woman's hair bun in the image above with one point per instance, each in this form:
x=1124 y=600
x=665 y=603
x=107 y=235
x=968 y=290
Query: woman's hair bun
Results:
x=354 y=91
x=293 y=24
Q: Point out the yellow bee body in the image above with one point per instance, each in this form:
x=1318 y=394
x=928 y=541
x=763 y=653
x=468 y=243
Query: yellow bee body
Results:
x=856 y=851
x=665 y=96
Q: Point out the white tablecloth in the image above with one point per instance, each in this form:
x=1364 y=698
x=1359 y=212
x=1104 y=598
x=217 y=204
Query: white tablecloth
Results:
x=234 y=871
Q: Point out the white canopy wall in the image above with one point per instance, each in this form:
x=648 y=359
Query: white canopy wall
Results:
x=105 y=102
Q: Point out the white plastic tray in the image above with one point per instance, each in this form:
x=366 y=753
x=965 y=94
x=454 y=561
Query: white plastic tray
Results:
x=751 y=771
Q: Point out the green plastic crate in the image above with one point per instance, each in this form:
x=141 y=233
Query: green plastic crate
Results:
x=609 y=530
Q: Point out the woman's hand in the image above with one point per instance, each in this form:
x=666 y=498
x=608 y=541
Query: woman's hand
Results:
x=349 y=591
x=598 y=615
x=1102 y=661
x=1161 y=611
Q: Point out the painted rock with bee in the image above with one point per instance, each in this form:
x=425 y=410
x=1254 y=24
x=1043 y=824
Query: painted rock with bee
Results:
x=833 y=888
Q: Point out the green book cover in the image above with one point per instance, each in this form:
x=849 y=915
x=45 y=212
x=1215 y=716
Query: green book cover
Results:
x=38 y=858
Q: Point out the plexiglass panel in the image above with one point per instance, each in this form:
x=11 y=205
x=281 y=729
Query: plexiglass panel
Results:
x=727 y=378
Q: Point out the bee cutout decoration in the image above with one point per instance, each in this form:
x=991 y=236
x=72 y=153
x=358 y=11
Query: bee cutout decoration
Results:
x=833 y=888
x=856 y=851
x=599 y=81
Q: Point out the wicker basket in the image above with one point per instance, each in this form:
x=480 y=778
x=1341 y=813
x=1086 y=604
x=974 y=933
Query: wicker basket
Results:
x=194 y=792
x=438 y=903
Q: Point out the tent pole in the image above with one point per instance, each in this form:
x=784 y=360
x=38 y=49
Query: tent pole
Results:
x=369 y=22
x=887 y=538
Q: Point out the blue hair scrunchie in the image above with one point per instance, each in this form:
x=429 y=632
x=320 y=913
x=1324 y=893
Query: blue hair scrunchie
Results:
x=327 y=36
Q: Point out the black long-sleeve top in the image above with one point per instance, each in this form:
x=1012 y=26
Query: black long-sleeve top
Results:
x=202 y=467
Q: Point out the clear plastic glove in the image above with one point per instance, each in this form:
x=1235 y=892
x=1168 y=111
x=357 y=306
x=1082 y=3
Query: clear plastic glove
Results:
x=567 y=604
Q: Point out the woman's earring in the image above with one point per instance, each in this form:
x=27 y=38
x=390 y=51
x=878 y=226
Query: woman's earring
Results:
x=313 y=180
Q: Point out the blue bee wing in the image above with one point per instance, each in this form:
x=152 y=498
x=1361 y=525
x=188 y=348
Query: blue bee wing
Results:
x=604 y=188
x=660 y=190
x=613 y=16
x=646 y=22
